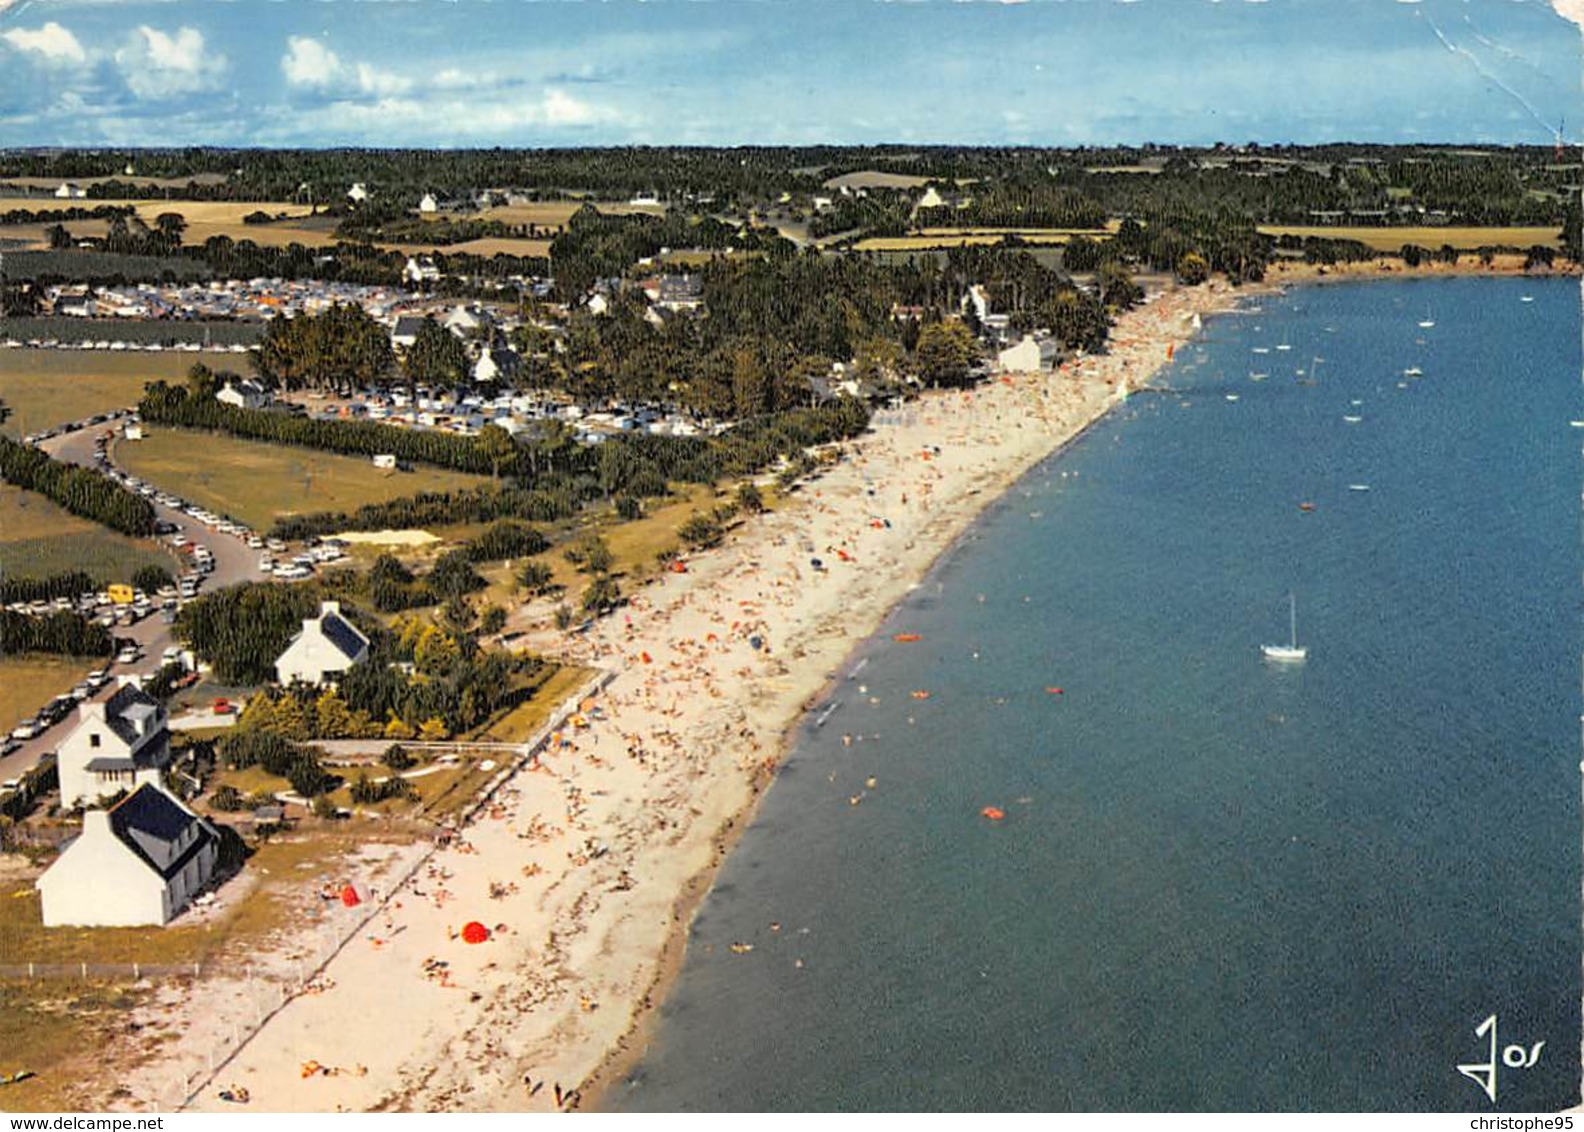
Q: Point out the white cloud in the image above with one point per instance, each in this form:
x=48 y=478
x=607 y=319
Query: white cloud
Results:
x=53 y=42
x=561 y=109
x=157 y=65
x=308 y=62
x=372 y=80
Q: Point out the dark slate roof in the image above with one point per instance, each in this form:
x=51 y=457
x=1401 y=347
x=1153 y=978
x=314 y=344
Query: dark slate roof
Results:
x=159 y=831
x=103 y=763
x=120 y=711
x=407 y=326
x=347 y=640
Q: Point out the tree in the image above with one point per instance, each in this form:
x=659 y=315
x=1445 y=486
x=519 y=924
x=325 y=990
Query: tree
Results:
x=1193 y=269
x=750 y=499
x=602 y=595
x=151 y=579
x=436 y=357
x=332 y=719
x=397 y=758
x=534 y=577
x=497 y=446
x=493 y=620
x=945 y=351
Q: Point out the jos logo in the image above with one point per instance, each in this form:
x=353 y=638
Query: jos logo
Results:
x=1514 y=1056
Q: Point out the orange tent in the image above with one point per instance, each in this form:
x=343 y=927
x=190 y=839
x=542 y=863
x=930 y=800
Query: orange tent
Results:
x=349 y=896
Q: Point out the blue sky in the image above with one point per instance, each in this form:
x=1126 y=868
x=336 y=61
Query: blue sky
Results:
x=724 y=72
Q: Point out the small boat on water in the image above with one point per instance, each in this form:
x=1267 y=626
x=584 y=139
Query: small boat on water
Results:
x=1351 y=419
x=1231 y=396
x=1358 y=487
x=1526 y=298
x=1258 y=376
x=1413 y=371
x=1292 y=651
x=1426 y=322
x=1577 y=424
x=1262 y=349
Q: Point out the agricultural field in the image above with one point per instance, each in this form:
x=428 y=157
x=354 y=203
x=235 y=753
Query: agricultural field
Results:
x=53 y=183
x=27 y=683
x=46 y=388
x=955 y=237
x=1391 y=239
x=39 y=538
x=257 y=482
x=488 y=246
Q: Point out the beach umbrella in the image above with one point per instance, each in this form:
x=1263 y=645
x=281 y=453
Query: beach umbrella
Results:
x=474 y=932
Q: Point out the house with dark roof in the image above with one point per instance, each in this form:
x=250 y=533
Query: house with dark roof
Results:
x=327 y=646
x=139 y=862
x=679 y=292
x=120 y=741
x=406 y=330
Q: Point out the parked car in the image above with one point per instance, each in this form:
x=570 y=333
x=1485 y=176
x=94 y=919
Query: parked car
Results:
x=27 y=729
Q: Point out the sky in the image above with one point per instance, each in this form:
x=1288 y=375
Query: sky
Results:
x=479 y=73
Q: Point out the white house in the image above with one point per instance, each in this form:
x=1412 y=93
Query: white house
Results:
x=420 y=269
x=428 y=205
x=118 y=742
x=244 y=394
x=930 y=199
x=327 y=645
x=386 y=461
x=358 y=193
x=70 y=190
x=139 y=862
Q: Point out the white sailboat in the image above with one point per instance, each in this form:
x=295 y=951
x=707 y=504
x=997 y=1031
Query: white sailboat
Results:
x=1291 y=651
x=1427 y=322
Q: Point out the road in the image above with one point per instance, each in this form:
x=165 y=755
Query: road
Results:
x=234 y=560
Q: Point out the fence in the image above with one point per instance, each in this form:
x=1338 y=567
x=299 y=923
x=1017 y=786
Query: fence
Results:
x=133 y=971
x=268 y=999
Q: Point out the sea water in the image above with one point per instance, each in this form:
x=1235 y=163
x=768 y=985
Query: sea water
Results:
x=1220 y=882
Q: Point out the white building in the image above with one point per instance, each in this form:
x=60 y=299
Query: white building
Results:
x=139 y=862
x=930 y=199
x=70 y=190
x=428 y=205
x=420 y=269
x=327 y=645
x=1027 y=356
x=244 y=394
x=358 y=193
x=118 y=742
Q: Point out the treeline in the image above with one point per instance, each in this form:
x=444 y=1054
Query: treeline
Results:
x=56 y=215
x=68 y=634
x=640 y=465
x=82 y=491
x=539 y=504
x=68 y=584
x=175 y=405
x=595 y=246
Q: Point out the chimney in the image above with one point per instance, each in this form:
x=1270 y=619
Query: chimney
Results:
x=96 y=822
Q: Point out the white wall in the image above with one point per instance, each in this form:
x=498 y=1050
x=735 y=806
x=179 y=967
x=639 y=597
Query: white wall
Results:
x=97 y=882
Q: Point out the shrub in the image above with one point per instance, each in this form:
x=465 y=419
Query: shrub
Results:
x=397 y=758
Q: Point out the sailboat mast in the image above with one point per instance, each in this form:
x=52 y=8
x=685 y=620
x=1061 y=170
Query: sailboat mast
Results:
x=1292 y=610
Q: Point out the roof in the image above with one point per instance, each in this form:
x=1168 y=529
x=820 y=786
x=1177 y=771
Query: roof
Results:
x=407 y=325
x=125 y=709
x=159 y=830
x=340 y=633
x=106 y=763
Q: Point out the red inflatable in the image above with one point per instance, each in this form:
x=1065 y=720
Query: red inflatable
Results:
x=474 y=932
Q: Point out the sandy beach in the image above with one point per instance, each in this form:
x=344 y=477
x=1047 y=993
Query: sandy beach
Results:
x=586 y=867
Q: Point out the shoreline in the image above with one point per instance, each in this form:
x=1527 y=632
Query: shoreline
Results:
x=648 y=800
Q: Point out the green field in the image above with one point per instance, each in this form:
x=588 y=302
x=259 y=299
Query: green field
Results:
x=258 y=482
x=39 y=538
x=45 y=388
x=27 y=683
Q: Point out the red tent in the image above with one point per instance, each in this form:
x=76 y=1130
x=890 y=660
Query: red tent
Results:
x=474 y=932
x=349 y=896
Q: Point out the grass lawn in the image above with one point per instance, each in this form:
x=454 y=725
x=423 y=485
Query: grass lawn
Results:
x=45 y=388
x=27 y=683
x=517 y=725
x=258 y=482
x=39 y=538
x=1391 y=239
